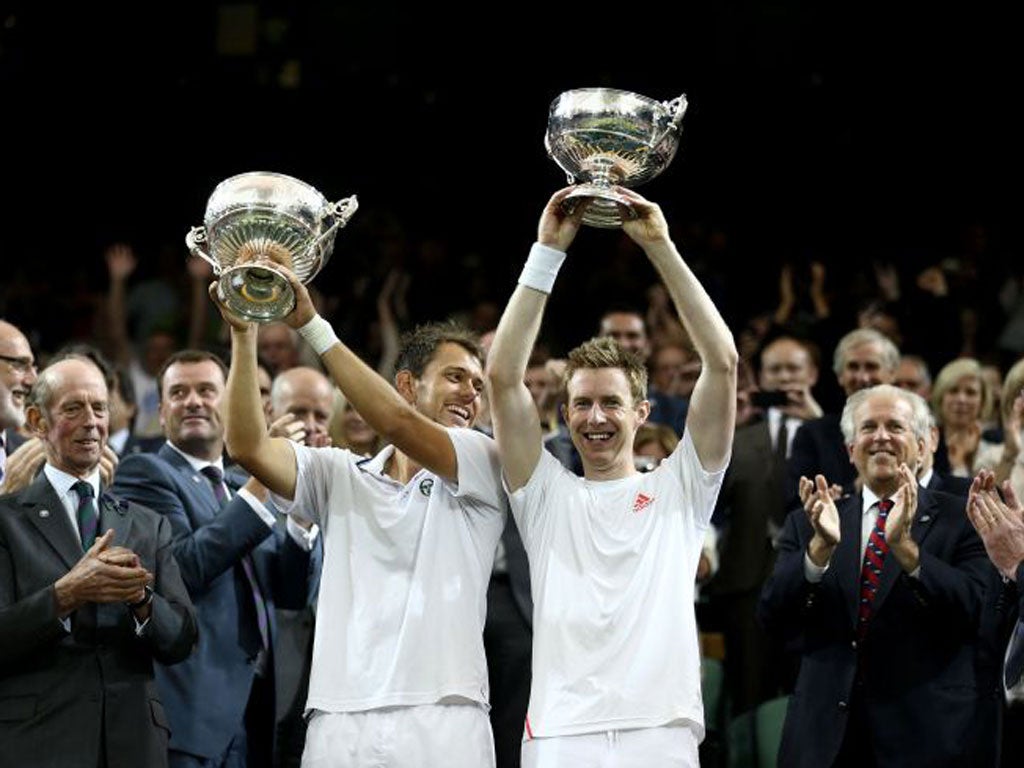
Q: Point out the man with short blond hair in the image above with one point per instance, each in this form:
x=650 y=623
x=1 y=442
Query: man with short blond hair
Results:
x=613 y=555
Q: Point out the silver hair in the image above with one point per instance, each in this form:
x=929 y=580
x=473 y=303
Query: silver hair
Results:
x=860 y=337
x=921 y=415
x=41 y=395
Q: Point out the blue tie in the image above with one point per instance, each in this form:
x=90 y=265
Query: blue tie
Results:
x=216 y=478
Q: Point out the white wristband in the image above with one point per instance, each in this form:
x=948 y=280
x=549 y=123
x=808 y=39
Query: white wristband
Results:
x=319 y=334
x=541 y=268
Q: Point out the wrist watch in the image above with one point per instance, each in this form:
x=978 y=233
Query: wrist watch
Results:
x=146 y=599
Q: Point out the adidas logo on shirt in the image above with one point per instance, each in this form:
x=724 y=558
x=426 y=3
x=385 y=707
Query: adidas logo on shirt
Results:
x=642 y=502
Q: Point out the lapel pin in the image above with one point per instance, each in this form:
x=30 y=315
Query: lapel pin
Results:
x=195 y=478
x=926 y=518
x=44 y=513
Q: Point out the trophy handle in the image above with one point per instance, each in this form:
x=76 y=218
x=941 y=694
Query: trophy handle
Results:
x=195 y=236
x=569 y=178
x=676 y=109
x=341 y=211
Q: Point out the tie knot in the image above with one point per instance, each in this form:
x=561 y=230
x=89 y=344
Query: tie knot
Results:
x=884 y=506
x=83 y=489
x=213 y=474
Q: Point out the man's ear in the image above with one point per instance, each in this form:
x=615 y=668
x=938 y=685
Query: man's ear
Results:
x=643 y=411
x=36 y=421
x=405 y=383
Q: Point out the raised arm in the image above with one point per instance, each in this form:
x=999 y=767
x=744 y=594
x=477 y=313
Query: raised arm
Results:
x=516 y=422
x=712 y=413
x=423 y=440
x=271 y=460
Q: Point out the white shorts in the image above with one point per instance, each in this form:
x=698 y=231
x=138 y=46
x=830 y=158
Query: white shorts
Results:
x=455 y=735
x=666 y=747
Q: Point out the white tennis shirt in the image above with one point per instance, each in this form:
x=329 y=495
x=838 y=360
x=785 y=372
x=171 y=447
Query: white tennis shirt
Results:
x=612 y=568
x=403 y=594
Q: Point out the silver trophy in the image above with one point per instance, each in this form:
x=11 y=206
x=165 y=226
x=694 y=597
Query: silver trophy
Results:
x=605 y=137
x=255 y=221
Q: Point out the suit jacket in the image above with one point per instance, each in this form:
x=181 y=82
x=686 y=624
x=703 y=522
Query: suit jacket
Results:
x=206 y=696
x=955 y=486
x=60 y=691
x=917 y=662
x=751 y=496
x=818 y=449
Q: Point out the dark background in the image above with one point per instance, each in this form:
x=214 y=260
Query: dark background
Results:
x=841 y=132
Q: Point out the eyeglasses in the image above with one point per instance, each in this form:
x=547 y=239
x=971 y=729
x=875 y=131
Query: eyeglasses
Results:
x=20 y=365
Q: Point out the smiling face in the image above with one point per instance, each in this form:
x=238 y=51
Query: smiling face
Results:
x=190 y=408
x=603 y=420
x=961 y=403
x=17 y=374
x=884 y=438
x=449 y=389
x=74 y=423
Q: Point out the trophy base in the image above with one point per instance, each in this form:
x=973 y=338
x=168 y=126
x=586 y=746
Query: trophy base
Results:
x=605 y=208
x=258 y=294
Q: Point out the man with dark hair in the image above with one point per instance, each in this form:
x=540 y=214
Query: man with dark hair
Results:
x=90 y=597
x=399 y=676
x=235 y=564
x=613 y=555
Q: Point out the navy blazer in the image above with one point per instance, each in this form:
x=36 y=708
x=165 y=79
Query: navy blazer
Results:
x=60 y=690
x=206 y=696
x=921 y=686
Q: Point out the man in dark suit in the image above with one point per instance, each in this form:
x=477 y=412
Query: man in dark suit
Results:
x=863 y=358
x=883 y=596
x=749 y=511
x=17 y=374
x=221 y=701
x=90 y=596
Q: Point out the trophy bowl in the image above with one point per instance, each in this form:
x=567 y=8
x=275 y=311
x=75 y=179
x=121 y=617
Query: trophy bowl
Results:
x=257 y=220
x=605 y=137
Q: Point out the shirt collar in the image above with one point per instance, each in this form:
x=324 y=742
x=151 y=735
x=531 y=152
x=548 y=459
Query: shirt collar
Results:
x=199 y=464
x=869 y=499
x=62 y=481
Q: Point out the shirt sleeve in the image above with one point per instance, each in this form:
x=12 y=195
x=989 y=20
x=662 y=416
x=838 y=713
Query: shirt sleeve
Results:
x=313 y=477
x=700 y=487
x=479 y=469
x=528 y=502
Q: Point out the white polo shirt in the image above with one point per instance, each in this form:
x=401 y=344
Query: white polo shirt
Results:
x=612 y=567
x=403 y=594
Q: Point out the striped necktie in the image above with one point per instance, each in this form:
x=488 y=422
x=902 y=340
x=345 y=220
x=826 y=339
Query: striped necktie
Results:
x=871 y=571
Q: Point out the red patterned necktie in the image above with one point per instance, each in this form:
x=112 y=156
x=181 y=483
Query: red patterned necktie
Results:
x=871 y=571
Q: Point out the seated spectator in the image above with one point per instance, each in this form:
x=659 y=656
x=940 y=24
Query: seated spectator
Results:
x=961 y=399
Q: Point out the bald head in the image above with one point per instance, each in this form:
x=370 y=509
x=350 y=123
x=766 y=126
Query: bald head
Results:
x=307 y=395
x=70 y=412
x=17 y=375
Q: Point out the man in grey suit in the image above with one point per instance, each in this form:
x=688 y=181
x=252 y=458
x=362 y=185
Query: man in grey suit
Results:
x=90 y=596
